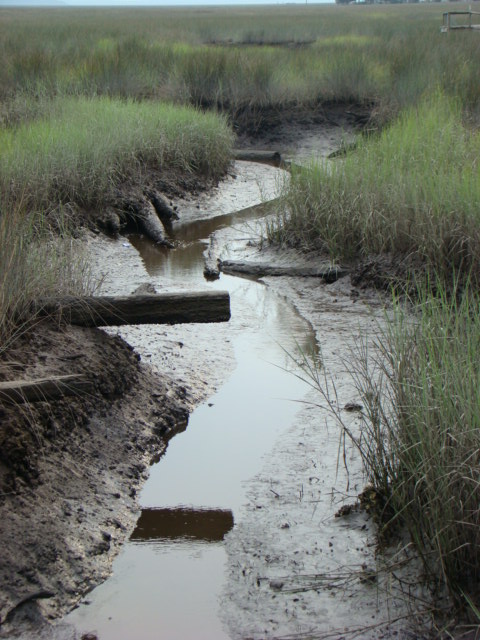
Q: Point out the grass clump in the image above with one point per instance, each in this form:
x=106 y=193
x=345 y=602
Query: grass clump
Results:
x=82 y=149
x=420 y=441
x=413 y=189
x=35 y=262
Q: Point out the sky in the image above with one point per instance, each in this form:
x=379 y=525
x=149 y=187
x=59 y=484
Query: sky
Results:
x=130 y=3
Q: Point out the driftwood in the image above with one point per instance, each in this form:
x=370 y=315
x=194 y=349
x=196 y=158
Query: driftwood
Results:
x=163 y=209
x=255 y=155
x=211 y=270
x=150 y=224
x=143 y=214
x=22 y=391
x=258 y=270
x=164 y=308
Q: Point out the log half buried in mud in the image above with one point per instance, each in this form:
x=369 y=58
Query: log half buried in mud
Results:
x=150 y=224
x=162 y=308
x=44 y=389
x=143 y=213
x=255 y=155
x=164 y=211
x=259 y=270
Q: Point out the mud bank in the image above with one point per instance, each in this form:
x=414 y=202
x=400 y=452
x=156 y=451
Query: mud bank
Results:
x=70 y=470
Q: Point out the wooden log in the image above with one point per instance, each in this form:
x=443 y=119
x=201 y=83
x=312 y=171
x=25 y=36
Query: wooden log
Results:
x=257 y=155
x=162 y=308
x=150 y=224
x=142 y=213
x=211 y=270
x=259 y=270
x=163 y=209
x=43 y=389
x=209 y=525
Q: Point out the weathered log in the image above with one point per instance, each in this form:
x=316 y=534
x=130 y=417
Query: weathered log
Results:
x=257 y=155
x=259 y=270
x=143 y=214
x=162 y=308
x=209 y=525
x=163 y=209
x=21 y=391
x=211 y=270
x=150 y=224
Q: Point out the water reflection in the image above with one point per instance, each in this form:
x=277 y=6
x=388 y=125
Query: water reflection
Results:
x=209 y=525
x=187 y=259
x=203 y=228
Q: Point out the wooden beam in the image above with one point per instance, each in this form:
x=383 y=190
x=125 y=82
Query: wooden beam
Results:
x=43 y=389
x=161 y=308
x=260 y=270
x=257 y=155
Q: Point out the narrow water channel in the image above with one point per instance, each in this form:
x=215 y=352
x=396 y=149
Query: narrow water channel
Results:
x=167 y=581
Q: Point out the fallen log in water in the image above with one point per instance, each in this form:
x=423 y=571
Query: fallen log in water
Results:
x=144 y=215
x=22 y=391
x=150 y=223
x=211 y=270
x=209 y=525
x=259 y=270
x=256 y=155
x=162 y=308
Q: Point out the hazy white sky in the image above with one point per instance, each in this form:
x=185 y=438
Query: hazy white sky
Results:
x=131 y=3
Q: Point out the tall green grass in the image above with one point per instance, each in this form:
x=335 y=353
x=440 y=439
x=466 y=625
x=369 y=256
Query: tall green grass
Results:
x=82 y=149
x=421 y=432
x=413 y=189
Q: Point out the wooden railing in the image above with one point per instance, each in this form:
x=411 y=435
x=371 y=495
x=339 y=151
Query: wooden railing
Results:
x=469 y=23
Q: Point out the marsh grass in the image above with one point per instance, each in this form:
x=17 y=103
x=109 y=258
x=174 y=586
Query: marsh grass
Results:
x=231 y=58
x=421 y=437
x=83 y=149
x=80 y=151
x=35 y=262
x=412 y=189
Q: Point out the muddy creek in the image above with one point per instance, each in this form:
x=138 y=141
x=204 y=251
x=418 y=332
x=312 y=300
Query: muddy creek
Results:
x=237 y=537
x=167 y=581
